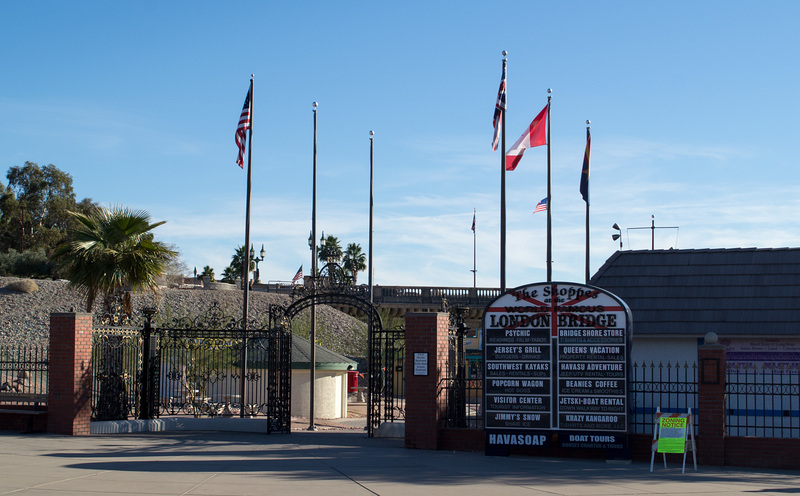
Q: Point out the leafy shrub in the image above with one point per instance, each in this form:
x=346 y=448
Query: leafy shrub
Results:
x=30 y=263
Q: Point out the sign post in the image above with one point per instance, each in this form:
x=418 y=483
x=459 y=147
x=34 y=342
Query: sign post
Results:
x=556 y=359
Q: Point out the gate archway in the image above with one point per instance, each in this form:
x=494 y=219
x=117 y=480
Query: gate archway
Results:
x=333 y=287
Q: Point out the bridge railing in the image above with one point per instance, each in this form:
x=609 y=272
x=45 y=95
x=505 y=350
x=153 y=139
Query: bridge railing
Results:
x=433 y=294
x=413 y=294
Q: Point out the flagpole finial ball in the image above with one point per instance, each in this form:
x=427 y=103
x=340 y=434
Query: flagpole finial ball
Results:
x=588 y=122
x=505 y=53
x=315 y=105
x=549 y=90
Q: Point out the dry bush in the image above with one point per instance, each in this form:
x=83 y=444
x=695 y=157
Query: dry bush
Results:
x=23 y=286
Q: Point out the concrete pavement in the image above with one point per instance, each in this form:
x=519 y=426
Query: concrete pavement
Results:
x=332 y=462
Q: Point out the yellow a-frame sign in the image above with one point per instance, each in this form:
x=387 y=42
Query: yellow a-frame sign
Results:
x=669 y=436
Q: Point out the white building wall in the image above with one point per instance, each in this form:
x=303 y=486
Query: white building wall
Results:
x=330 y=394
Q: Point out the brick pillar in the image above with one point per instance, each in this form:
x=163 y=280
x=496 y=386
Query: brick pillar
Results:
x=425 y=333
x=711 y=404
x=70 y=375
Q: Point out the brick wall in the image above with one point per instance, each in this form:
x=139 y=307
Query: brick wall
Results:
x=711 y=404
x=425 y=333
x=428 y=332
x=70 y=376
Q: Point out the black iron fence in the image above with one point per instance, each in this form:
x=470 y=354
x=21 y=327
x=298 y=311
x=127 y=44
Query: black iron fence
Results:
x=206 y=366
x=763 y=400
x=464 y=399
x=24 y=369
x=116 y=372
x=672 y=388
x=201 y=372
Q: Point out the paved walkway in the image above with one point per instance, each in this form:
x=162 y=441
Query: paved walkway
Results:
x=332 y=462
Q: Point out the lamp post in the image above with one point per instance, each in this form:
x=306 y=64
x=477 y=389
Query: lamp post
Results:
x=195 y=275
x=617 y=235
x=255 y=259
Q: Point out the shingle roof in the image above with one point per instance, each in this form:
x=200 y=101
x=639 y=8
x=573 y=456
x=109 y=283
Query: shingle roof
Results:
x=731 y=291
x=325 y=359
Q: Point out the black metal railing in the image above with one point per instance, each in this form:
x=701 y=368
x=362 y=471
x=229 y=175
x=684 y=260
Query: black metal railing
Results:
x=763 y=400
x=24 y=369
x=116 y=373
x=201 y=372
x=672 y=388
x=464 y=399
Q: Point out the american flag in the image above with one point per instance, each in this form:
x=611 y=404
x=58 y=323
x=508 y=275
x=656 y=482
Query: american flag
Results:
x=298 y=276
x=241 y=131
x=499 y=108
x=541 y=206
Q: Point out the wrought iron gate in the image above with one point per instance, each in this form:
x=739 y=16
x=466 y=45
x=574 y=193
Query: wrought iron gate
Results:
x=333 y=287
x=207 y=366
x=386 y=388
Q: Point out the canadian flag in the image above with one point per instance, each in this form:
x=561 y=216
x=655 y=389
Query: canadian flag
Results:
x=534 y=135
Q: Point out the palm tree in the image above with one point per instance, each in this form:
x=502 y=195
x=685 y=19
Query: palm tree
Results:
x=229 y=274
x=330 y=250
x=207 y=271
x=237 y=260
x=354 y=260
x=112 y=251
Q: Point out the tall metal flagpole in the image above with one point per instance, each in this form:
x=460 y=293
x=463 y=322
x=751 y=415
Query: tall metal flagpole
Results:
x=586 y=171
x=370 y=329
x=503 y=183
x=371 y=136
x=246 y=264
x=474 y=251
x=549 y=199
x=312 y=355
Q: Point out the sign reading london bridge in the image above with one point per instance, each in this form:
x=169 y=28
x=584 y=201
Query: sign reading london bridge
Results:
x=556 y=359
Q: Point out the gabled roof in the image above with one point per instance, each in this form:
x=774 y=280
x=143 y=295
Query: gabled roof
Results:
x=731 y=291
x=325 y=359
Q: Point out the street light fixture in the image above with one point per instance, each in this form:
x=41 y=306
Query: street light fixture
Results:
x=618 y=235
x=255 y=259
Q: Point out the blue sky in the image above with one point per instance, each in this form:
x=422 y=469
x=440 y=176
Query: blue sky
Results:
x=693 y=108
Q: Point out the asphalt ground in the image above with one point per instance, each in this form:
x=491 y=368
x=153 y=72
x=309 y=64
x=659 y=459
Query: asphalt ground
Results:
x=333 y=461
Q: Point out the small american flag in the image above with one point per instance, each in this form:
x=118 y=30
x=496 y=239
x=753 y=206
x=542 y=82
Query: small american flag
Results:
x=499 y=108
x=298 y=276
x=541 y=206
x=241 y=131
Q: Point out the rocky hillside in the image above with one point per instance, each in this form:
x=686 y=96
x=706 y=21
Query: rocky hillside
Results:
x=25 y=317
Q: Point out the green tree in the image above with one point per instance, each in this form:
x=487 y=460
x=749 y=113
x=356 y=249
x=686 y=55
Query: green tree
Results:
x=112 y=252
x=229 y=274
x=207 y=271
x=237 y=261
x=329 y=249
x=354 y=261
x=35 y=206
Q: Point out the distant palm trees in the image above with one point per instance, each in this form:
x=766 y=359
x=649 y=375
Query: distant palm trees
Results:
x=208 y=271
x=329 y=250
x=354 y=261
x=112 y=252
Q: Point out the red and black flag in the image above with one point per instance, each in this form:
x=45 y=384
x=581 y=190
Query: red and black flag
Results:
x=585 y=171
x=499 y=108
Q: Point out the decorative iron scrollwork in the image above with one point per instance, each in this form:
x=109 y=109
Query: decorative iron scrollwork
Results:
x=116 y=311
